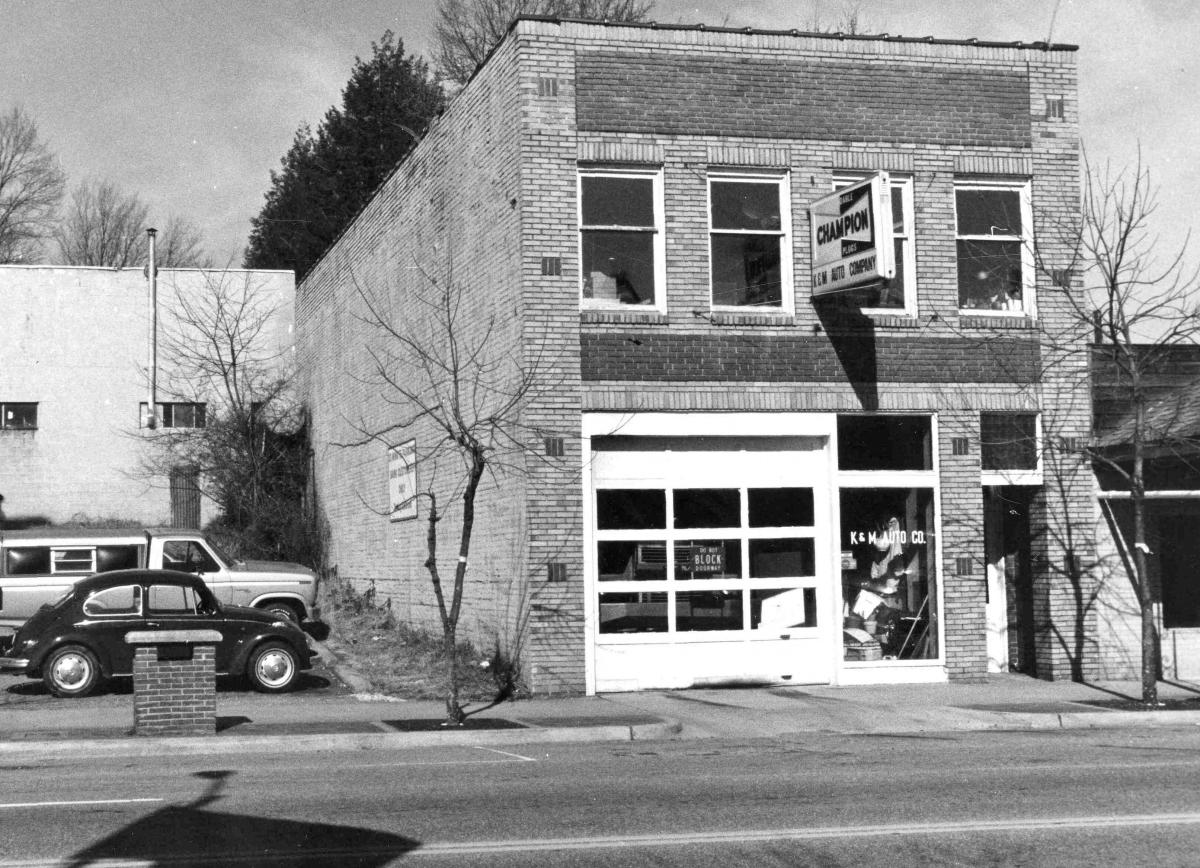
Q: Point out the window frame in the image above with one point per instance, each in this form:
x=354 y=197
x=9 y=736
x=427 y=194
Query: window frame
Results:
x=4 y=412
x=658 y=235
x=1024 y=188
x=908 y=249
x=787 y=288
x=160 y=409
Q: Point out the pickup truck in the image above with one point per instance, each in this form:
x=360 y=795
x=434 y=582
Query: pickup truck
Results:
x=38 y=566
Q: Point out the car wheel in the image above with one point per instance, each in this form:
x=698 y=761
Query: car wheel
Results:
x=71 y=670
x=272 y=667
x=282 y=611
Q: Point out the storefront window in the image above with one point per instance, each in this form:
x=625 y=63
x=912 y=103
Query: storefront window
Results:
x=889 y=585
x=885 y=442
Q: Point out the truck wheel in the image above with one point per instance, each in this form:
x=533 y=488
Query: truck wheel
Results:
x=283 y=611
x=71 y=670
x=272 y=668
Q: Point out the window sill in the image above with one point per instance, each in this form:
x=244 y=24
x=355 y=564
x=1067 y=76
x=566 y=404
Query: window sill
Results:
x=993 y=320
x=738 y=318
x=893 y=320
x=641 y=316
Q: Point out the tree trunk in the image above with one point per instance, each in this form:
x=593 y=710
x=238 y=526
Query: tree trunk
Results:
x=1137 y=496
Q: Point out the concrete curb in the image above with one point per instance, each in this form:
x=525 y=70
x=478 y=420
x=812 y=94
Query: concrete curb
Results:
x=141 y=746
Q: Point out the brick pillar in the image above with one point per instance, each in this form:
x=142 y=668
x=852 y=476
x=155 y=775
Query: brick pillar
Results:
x=174 y=682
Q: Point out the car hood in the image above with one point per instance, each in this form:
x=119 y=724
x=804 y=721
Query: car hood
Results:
x=271 y=567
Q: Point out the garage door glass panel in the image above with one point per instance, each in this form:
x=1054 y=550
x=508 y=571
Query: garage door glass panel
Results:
x=780 y=507
x=782 y=558
x=708 y=610
x=633 y=613
x=783 y=608
x=631 y=508
x=707 y=507
x=632 y=560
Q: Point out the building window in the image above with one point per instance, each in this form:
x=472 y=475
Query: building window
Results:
x=887 y=486
x=1008 y=441
x=994 y=244
x=900 y=293
x=750 y=241
x=177 y=414
x=621 y=238
x=18 y=416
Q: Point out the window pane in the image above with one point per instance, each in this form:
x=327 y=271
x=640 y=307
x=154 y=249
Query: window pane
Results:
x=897 y=211
x=172 y=599
x=780 y=609
x=708 y=559
x=707 y=507
x=72 y=561
x=1008 y=441
x=617 y=201
x=618 y=266
x=116 y=558
x=626 y=561
x=623 y=508
x=746 y=270
x=781 y=507
x=122 y=600
x=889 y=582
x=753 y=206
x=19 y=416
x=885 y=443
x=27 y=561
x=989 y=275
x=633 y=613
x=988 y=212
x=782 y=558
x=708 y=610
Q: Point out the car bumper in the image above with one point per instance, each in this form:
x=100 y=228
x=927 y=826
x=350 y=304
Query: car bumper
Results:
x=14 y=664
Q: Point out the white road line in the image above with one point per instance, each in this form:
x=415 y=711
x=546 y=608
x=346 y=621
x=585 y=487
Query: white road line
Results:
x=686 y=839
x=74 y=802
x=527 y=759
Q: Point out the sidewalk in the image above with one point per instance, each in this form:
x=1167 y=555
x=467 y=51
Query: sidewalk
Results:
x=296 y=722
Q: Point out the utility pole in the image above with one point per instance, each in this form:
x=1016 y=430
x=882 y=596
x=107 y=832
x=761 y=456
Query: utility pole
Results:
x=152 y=274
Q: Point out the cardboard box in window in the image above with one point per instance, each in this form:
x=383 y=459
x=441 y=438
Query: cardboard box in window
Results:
x=860 y=646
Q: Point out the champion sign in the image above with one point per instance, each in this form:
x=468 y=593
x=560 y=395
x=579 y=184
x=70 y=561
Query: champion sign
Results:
x=851 y=244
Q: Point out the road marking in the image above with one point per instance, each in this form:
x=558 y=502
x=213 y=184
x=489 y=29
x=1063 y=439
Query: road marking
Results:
x=687 y=839
x=527 y=759
x=74 y=802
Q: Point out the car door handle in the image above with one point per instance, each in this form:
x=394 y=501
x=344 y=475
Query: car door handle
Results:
x=153 y=625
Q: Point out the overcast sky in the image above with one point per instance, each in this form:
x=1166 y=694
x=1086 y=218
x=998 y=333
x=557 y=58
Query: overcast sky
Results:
x=191 y=103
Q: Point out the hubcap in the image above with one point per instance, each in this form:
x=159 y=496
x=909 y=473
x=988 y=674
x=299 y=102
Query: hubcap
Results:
x=274 y=668
x=71 y=670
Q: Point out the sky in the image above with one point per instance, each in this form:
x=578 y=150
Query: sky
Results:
x=191 y=103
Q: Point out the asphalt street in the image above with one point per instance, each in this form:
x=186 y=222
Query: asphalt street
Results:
x=1103 y=797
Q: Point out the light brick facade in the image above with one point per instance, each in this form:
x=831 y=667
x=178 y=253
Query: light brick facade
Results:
x=493 y=192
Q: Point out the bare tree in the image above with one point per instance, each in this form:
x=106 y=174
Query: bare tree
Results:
x=31 y=187
x=106 y=227
x=220 y=348
x=1142 y=305
x=460 y=387
x=468 y=29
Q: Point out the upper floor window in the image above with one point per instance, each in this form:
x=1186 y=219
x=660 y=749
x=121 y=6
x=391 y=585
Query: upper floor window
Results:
x=750 y=241
x=177 y=414
x=621 y=238
x=995 y=256
x=16 y=416
x=899 y=294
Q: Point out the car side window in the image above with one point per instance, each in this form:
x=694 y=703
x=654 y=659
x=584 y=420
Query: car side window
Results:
x=121 y=600
x=171 y=600
x=188 y=556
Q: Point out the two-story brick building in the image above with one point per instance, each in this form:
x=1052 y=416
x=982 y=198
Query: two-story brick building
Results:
x=736 y=478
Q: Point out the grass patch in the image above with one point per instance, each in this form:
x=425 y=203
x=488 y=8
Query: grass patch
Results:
x=399 y=660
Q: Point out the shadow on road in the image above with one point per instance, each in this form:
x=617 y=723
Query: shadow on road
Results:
x=193 y=835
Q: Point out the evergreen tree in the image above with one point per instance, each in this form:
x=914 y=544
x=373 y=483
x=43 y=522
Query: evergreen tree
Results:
x=326 y=178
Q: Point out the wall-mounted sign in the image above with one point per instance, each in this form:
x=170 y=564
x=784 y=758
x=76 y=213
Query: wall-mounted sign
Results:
x=402 y=481
x=705 y=559
x=852 y=236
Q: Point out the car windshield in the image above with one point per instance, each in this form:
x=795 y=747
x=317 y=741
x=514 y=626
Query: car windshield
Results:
x=222 y=555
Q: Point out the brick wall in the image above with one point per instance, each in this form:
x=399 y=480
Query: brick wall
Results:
x=175 y=697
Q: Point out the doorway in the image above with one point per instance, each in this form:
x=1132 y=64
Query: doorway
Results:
x=1009 y=602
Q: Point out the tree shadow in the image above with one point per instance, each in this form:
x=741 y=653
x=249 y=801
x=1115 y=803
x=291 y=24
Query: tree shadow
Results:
x=193 y=835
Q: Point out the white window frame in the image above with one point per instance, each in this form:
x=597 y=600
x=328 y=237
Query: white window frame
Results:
x=1028 y=281
x=908 y=249
x=160 y=409
x=655 y=175
x=787 y=290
